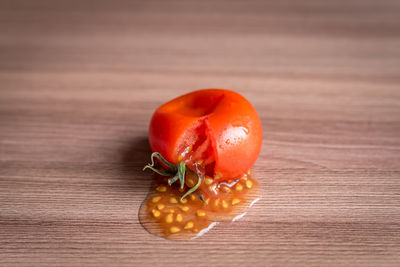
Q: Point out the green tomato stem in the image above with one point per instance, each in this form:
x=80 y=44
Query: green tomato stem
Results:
x=177 y=171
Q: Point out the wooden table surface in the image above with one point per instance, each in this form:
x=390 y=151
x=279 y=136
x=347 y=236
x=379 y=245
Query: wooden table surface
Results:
x=79 y=81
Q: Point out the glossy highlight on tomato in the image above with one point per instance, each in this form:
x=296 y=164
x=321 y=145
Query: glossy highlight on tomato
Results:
x=216 y=128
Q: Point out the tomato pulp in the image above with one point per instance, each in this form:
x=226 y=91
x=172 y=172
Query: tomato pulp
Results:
x=206 y=140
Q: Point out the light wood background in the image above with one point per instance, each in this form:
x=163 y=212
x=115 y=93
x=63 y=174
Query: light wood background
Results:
x=79 y=81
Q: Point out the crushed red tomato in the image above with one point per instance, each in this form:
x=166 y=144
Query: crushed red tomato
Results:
x=204 y=144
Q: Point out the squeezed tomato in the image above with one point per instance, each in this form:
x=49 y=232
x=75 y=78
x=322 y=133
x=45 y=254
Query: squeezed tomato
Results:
x=205 y=143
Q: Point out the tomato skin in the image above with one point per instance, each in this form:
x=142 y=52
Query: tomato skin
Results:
x=231 y=125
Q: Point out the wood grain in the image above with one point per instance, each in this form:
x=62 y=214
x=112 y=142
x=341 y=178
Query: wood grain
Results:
x=79 y=81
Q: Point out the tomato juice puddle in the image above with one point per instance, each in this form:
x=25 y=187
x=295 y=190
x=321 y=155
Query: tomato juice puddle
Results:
x=163 y=212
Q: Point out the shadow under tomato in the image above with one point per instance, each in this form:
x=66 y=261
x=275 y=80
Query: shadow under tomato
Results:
x=133 y=158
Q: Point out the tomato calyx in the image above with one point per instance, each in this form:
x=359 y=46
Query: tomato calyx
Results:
x=176 y=172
